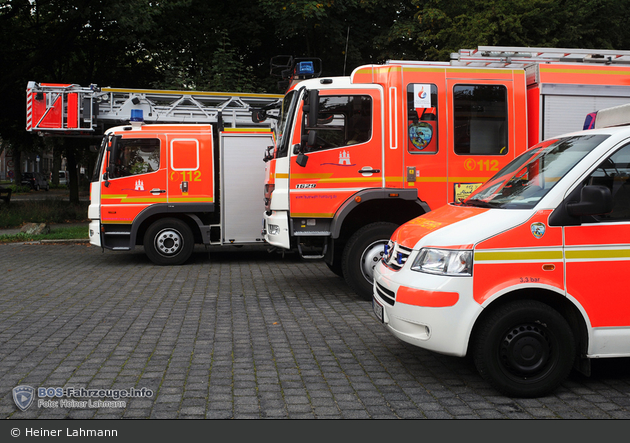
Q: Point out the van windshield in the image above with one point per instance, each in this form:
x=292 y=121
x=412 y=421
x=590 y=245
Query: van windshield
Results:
x=529 y=177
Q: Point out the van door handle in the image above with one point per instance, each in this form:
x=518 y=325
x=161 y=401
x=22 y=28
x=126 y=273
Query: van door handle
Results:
x=157 y=191
x=369 y=171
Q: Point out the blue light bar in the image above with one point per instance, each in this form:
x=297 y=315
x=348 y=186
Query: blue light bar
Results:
x=136 y=115
x=304 y=68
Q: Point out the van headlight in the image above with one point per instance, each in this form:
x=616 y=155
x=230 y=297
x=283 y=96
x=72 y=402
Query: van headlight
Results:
x=443 y=262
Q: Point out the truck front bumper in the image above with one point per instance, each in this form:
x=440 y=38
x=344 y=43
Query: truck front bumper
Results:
x=276 y=229
x=95 y=232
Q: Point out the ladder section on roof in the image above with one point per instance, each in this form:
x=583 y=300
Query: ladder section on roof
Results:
x=505 y=56
x=58 y=108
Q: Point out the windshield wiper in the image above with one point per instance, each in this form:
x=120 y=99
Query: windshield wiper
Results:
x=479 y=203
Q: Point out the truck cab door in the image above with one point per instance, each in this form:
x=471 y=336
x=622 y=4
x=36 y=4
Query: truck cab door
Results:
x=136 y=176
x=340 y=155
x=191 y=167
x=487 y=128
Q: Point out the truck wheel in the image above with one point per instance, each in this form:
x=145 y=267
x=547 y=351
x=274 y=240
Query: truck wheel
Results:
x=168 y=242
x=361 y=254
x=524 y=349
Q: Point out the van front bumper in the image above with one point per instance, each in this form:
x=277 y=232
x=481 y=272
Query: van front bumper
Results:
x=437 y=312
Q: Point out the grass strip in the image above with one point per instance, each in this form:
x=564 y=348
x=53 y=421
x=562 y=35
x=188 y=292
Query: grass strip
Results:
x=61 y=233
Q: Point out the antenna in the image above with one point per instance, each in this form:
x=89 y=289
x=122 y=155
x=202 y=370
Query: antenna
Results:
x=345 y=57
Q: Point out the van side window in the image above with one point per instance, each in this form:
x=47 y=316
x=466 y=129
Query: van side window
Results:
x=422 y=123
x=343 y=120
x=614 y=173
x=480 y=119
x=137 y=156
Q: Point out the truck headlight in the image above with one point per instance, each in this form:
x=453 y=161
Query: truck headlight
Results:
x=274 y=229
x=443 y=262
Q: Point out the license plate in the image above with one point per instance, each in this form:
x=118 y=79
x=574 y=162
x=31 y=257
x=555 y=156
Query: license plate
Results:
x=378 y=309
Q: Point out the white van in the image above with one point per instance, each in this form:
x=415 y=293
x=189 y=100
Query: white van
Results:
x=528 y=273
x=63 y=177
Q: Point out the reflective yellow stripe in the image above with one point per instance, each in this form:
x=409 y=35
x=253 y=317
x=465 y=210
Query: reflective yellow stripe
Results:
x=351 y=180
x=597 y=253
x=518 y=255
x=202 y=93
x=191 y=199
x=311 y=215
x=583 y=71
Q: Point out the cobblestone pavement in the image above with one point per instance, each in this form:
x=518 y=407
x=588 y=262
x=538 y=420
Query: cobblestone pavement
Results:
x=237 y=334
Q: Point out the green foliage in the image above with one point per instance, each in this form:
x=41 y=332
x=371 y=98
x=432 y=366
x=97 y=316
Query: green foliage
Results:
x=442 y=27
x=219 y=45
x=16 y=213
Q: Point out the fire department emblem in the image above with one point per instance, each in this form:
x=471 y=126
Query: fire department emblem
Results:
x=420 y=135
x=23 y=396
x=538 y=229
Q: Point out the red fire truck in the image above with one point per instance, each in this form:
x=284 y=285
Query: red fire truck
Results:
x=190 y=177
x=357 y=156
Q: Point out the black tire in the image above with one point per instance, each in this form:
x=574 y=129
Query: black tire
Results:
x=524 y=349
x=362 y=253
x=169 y=241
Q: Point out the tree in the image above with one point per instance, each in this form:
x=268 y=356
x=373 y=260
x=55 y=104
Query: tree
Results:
x=442 y=27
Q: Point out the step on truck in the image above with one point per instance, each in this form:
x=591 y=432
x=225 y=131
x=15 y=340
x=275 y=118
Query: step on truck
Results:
x=357 y=156
x=185 y=167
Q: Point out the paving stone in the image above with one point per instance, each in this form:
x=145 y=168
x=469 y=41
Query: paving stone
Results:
x=245 y=335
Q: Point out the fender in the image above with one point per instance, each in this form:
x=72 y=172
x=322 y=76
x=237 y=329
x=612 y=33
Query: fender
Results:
x=373 y=194
x=165 y=208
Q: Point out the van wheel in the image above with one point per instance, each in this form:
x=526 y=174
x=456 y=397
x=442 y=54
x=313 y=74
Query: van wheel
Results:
x=362 y=253
x=168 y=242
x=524 y=349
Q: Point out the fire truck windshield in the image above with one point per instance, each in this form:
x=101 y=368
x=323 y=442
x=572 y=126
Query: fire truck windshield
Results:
x=283 y=128
x=101 y=154
x=530 y=176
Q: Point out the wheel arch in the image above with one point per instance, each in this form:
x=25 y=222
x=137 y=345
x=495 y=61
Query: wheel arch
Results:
x=156 y=212
x=375 y=205
x=554 y=300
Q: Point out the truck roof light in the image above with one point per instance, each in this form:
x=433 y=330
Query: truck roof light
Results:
x=305 y=68
x=137 y=115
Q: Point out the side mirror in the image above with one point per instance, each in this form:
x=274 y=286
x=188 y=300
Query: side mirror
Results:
x=307 y=141
x=112 y=148
x=311 y=108
x=594 y=200
x=258 y=115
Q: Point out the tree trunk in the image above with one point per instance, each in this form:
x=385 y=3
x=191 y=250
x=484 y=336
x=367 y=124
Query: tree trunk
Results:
x=71 y=145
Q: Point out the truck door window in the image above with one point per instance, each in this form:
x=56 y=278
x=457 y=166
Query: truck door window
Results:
x=137 y=156
x=343 y=120
x=422 y=118
x=480 y=119
x=614 y=173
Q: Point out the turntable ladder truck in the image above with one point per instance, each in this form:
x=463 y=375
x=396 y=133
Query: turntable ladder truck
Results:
x=174 y=169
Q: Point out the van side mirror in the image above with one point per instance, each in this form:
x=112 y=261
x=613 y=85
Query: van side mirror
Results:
x=594 y=200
